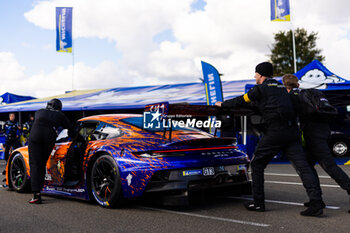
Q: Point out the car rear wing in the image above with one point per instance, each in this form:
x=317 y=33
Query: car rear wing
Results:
x=180 y=110
x=165 y=111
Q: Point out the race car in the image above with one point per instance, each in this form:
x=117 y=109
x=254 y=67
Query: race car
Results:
x=115 y=157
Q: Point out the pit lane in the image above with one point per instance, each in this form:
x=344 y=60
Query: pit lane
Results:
x=222 y=213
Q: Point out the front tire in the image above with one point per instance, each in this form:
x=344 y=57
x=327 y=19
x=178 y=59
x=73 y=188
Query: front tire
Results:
x=18 y=177
x=104 y=182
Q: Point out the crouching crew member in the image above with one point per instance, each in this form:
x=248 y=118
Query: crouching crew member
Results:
x=41 y=142
x=281 y=135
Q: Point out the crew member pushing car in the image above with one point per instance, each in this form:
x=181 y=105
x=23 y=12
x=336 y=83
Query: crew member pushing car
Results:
x=316 y=131
x=281 y=135
x=41 y=142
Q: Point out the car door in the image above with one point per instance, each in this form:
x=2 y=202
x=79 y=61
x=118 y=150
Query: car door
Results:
x=64 y=152
x=56 y=162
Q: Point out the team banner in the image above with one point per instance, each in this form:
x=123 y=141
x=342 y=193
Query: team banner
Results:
x=280 y=10
x=212 y=82
x=64 y=29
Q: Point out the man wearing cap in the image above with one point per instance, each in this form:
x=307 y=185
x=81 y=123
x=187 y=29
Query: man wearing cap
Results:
x=281 y=135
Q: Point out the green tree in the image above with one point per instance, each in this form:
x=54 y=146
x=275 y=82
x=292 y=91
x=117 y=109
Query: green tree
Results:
x=282 y=51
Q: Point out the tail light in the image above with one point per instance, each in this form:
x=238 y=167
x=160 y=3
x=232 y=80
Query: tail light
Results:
x=153 y=154
x=176 y=152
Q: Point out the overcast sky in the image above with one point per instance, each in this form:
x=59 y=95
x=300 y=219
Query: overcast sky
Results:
x=121 y=43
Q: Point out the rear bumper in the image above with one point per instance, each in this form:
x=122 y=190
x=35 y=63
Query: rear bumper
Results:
x=196 y=179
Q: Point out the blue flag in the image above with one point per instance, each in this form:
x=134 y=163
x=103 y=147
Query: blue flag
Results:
x=280 y=10
x=212 y=82
x=64 y=29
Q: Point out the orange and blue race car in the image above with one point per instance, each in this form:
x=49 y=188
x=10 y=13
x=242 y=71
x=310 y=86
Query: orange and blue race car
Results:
x=116 y=157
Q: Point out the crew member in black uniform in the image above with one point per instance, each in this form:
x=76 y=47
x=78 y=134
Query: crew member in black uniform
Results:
x=316 y=132
x=41 y=142
x=27 y=126
x=12 y=131
x=281 y=135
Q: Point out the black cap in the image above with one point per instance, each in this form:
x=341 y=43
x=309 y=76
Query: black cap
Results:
x=264 y=69
x=54 y=104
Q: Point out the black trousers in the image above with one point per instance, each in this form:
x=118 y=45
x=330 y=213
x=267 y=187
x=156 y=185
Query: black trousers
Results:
x=39 y=153
x=316 y=135
x=10 y=142
x=286 y=139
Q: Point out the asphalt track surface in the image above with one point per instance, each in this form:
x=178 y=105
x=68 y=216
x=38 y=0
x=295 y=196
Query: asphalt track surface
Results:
x=221 y=213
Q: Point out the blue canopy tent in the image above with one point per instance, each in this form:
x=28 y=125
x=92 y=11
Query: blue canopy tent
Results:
x=126 y=98
x=130 y=97
x=8 y=98
x=316 y=75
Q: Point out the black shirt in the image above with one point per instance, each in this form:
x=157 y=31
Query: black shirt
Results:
x=272 y=99
x=46 y=123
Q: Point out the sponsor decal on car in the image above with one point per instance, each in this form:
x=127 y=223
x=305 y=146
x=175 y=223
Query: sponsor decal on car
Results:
x=129 y=178
x=47 y=176
x=192 y=172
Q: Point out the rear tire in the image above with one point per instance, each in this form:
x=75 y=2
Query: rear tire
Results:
x=104 y=182
x=18 y=178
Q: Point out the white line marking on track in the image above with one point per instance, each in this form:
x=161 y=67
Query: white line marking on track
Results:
x=280 y=202
x=292 y=175
x=207 y=217
x=295 y=183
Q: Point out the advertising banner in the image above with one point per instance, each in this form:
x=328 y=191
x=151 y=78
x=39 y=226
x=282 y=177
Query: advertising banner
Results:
x=64 y=29
x=212 y=82
x=280 y=10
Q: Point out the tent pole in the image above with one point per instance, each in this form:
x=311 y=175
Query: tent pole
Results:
x=293 y=39
x=72 y=54
x=294 y=52
x=72 y=67
x=19 y=118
